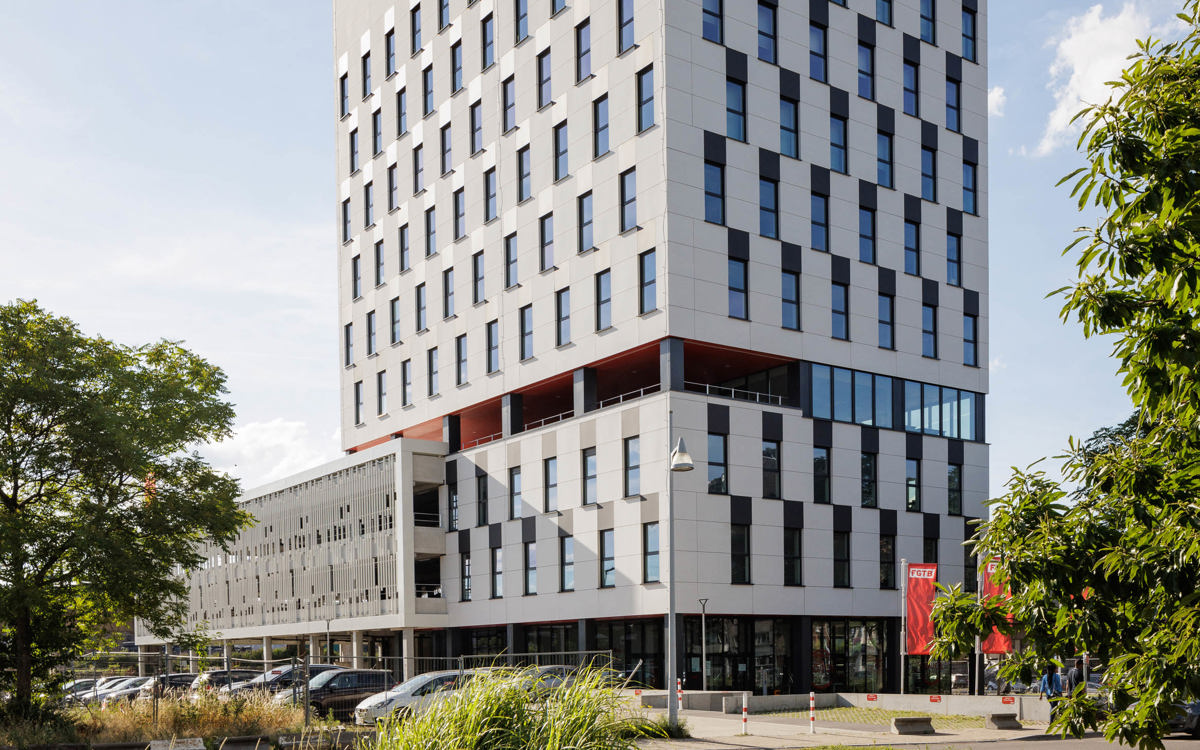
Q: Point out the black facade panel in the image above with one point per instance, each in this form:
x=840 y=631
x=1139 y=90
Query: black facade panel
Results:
x=954 y=451
x=914 y=446
x=718 y=419
x=970 y=149
x=739 y=244
x=912 y=208
x=740 y=512
x=866 y=30
x=772 y=425
x=793 y=515
x=929 y=134
x=887 y=281
x=839 y=269
x=970 y=302
x=529 y=529
x=819 y=180
x=885 y=119
x=789 y=257
x=495 y=536
x=789 y=84
x=714 y=147
x=822 y=433
x=912 y=49
x=887 y=521
x=867 y=194
x=954 y=222
x=869 y=439
x=768 y=164
x=929 y=292
x=735 y=65
x=464 y=540
x=842 y=518
x=932 y=525
x=839 y=102
x=818 y=11
x=953 y=66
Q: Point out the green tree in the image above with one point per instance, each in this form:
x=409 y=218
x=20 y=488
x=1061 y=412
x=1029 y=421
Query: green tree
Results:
x=103 y=501
x=1107 y=561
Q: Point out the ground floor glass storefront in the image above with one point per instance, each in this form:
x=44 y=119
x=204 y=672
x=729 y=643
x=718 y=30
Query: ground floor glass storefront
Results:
x=744 y=653
x=849 y=656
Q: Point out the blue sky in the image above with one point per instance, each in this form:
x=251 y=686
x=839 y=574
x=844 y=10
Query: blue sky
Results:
x=168 y=173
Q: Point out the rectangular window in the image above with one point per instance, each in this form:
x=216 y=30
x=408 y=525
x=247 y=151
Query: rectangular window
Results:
x=970 y=570
x=969 y=205
x=368 y=206
x=566 y=563
x=712 y=21
x=968 y=35
x=628 y=200
x=406 y=382
x=954 y=488
x=735 y=110
x=348 y=344
x=477 y=282
x=929 y=331
x=793 y=560
x=344 y=93
x=509 y=103
x=869 y=481
x=739 y=551
x=356 y=277
x=452 y=505
x=377 y=132
x=460 y=360
x=447 y=148
x=545 y=91
x=583 y=50
x=650 y=566
x=481 y=500
x=393 y=188
x=883 y=159
x=608 y=559
x=840 y=308
x=624 y=25
x=550 y=484
x=427 y=90
x=887 y=561
x=515 y=498
x=789 y=128
x=546 y=241
x=497 y=572
x=561 y=159
x=430 y=231
x=883 y=11
x=589 y=476
x=456 y=67
x=460 y=213
x=510 y=261
x=521 y=12
x=524 y=175
x=530 y=568
x=816 y=52
x=394 y=308
x=493 y=346
x=415 y=28
x=431 y=358
x=464 y=572
x=366 y=75
x=970 y=341
x=821 y=489
x=346 y=231
x=912 y=248
x=887 y=322
x=930 y=550
x=953 y=104
x=600 y=127
x=766 y=32
x=837 y=144
x=953 y=260
x=562 y=317
x=488 y=41
x=421 y=307
x=353 y=151
x=928 y=21
x=525 y=316
x=645 y=97
x=633 y=466
x=866 y=234
x=912 y=484
x=585 y=222
x=820 y=222
x=418 y=168
x=739 y=297
x=401 y=112
x=604 y=300
x=841 y=559
x=768 y=208
x=370 y=333
x=490 y=207
x=718 y=468
x=647 y=282
x=772 y=476
x=443 y=13
x=912 y=80
x=714 y=193
x=790 y=296
x=476 y=116
x=866 y=71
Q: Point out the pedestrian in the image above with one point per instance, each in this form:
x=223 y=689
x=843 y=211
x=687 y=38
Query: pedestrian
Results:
x=1051 y=688
x=1075 y=676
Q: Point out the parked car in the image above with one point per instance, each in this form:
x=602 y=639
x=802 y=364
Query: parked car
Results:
x=215 y=679
x=417 y=693
x=167 y=685
x=126 y=691
x=1187 y=719
x=339 y=691
x=74 y=687
x=279 y=678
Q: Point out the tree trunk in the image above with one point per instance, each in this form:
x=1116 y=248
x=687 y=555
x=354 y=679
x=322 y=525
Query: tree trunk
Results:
x=23 y=646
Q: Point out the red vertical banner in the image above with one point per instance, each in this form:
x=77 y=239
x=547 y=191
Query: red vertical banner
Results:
x=921 y=592
x=996 y=642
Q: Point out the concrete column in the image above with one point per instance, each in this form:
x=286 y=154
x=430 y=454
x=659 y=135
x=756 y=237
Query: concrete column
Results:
x=585 y=390
x=191 y=665
x=512 y=414
x=227 y=654
x=143 y=661
x=314 y=647
x=670 y=364
x=356 y=649
x=267 y=649
x=408 y=650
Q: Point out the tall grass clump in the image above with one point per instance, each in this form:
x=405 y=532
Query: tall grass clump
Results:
x=209 y=716
x=506 y=709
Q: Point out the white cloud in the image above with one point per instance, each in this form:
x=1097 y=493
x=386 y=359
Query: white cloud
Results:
x=1093 y=50
x=261 y=452
x=997 y=363
x=997 y=99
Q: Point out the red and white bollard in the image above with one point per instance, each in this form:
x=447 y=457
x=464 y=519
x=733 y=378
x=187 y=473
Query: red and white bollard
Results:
x=812 y=713
x=745 y=712
x=679 y=692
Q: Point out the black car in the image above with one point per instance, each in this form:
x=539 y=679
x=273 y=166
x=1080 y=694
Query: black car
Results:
x=281 y=678
x=338 y=692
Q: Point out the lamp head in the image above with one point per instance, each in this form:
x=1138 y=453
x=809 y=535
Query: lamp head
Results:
x=681 y=460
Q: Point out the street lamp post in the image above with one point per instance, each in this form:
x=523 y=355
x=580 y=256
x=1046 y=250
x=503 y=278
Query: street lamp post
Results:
x=679 y=461
x=703 y=647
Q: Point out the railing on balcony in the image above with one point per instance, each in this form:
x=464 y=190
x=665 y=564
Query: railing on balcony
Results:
x=482 y=440
x=550 y=420
x=741 y=395
x=631 y=395
x=429 y=590
x=427 y=519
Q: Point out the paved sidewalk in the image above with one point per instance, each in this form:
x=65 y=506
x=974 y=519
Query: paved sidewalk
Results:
x=717 y=731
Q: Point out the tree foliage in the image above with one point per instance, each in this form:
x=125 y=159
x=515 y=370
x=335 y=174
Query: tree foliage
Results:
x=103 y=500
x=1108 y=561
